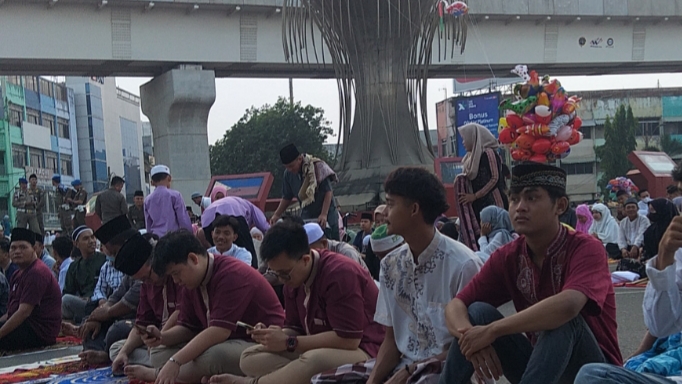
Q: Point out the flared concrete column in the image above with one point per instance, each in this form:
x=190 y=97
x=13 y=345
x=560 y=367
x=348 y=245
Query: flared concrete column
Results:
x=177 y=105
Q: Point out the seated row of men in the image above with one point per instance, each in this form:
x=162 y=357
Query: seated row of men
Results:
x=211 y=316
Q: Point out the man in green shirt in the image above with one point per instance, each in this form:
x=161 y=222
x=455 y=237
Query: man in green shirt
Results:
x=82 y=277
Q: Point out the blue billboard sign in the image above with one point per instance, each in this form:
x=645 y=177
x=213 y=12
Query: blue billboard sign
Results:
x=483 y=109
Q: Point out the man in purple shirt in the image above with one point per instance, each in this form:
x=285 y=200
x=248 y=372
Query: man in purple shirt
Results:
x=164 y=209
x=34 y=310
x=330 y=303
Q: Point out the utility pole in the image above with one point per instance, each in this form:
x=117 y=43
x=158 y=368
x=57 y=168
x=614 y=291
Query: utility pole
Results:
x=291 y=91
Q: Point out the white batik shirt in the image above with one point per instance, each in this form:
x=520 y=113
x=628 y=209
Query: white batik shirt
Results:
x=412 y=298
x=631 y=232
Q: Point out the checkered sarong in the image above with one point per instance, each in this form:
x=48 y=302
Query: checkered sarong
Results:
x=427 y=372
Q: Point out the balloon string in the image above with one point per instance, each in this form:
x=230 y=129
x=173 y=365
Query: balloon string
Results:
x=479 y=40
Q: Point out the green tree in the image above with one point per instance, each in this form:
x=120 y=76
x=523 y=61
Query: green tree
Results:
x=253 y=143
x=670 y=146
x=619 y=141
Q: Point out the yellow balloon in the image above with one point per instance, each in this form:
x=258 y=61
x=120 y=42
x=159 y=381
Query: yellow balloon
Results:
x=502 y=124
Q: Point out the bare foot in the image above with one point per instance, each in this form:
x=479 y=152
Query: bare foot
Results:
x=140 y=372
x=69 y=329
x=226 y=379
x=94 y=357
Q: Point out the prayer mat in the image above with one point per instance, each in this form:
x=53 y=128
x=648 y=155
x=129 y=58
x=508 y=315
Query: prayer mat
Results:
x=41 y=374
x=100 y=376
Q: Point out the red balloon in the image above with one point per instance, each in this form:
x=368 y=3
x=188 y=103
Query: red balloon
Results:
x=520 y=154
x=541 y=146
x=577 y=123
x=538 y=158
x=560 y=147
x=507 y=136
x=525 y=141
x=514 y=121
x=576 y=137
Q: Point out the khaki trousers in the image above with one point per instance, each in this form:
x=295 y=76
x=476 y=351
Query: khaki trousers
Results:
x=140 y=356
x=220 y=358
x=25 y=219
x=294 y=368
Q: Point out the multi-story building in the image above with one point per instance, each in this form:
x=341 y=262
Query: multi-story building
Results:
x=37 y=136
x=109 y=134
x=148 y=152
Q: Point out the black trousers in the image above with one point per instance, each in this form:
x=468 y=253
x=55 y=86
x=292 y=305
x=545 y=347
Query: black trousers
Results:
x=23 y=337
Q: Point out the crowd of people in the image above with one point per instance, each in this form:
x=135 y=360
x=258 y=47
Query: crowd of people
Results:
x=232 y=297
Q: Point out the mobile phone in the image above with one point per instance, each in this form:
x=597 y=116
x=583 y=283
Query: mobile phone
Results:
x=244 y=325
x=143 y=330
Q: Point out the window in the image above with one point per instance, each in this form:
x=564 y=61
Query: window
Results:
x=51 y=161
x=18 y=156
x=66 y=165
x=36 y=157
x=60 y=92
x=63 y=128
x=14 y=80
x=3 y=170
x=32 y=116
x=578 y=168
x=673 y=128
x=31 y=83
x=48 y=122
x=46 y=88
x=599 y=132
x=16 y=115
x=648 y=128
x=587 y=132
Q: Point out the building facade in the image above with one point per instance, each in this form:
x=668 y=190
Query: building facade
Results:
x=37 y=136
x=109 y=134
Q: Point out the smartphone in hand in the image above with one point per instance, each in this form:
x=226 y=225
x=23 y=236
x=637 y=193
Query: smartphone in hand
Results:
x=244 y=325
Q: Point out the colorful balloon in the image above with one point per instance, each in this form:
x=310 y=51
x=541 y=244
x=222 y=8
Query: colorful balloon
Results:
x=456 y=8
x=536 y=130
x=576 y=137
x=564 y=133
x=507 y=136
x=520 y=107
x=541 y=145
x=538 y=158
x=543 y=114
x=543 y=99
x=577 y=122
x=514 y=121
x=520 y=154
x=560 y=147
x=525 y=141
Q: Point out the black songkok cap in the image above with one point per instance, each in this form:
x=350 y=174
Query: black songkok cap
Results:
x=113 y=228
x=531 y=174
x=133 y=255
x=288 y=154
x=23 y=234
x=629 y=201
x=366 y=216
x=138 y=193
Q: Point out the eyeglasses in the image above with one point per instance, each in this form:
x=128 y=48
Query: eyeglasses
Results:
x=285 y=276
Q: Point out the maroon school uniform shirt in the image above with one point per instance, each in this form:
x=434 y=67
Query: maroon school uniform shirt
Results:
x=574 y=261
x=232 y=291
x=37 y=286
x=338 y=296
x=157 y=303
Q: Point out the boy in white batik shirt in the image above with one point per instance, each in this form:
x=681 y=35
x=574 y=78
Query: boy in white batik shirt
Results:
x=632 y=228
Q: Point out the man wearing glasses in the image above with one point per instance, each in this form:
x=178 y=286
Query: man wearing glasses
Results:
x=330 y=301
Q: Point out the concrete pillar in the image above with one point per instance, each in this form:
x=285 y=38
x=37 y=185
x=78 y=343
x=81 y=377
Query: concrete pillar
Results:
x=177 y=105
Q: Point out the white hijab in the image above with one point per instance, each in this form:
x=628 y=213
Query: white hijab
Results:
x=482 y=139
x=606 y=228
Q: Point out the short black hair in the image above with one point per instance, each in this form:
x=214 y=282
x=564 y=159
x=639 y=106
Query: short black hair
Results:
x=449 y=229
x=553 y=192
x=116 y=180
x=621 y=193
x=226 y=221
x=174 y=248
x=288 y=217
x=672 y=189
x=138 y=193
x=188 y=208
x=642 y=191
x=287 y=237
x=421 y=186
x=4 y=244
x=63 y=246
x=159 y=177
x=33 y=176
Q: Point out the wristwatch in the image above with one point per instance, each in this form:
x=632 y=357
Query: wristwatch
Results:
x=292 y=343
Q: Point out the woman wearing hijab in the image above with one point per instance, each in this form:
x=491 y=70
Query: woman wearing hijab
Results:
x=661 y=213
x=584 y=218
x=481 y=183
x=219 y=191
x=605 y=228
x=496 y=231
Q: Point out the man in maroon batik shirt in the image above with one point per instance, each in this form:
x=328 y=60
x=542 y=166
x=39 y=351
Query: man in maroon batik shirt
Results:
x=33 y=318
x=219 y=292
x=330 y=303
x=560 y=284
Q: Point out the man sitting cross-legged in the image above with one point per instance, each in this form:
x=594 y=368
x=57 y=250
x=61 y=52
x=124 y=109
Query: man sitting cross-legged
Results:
x=110 y=322
x=330 y=303
x=417 y=281
x=33 y=311
x=561 y=287
x=220 y=291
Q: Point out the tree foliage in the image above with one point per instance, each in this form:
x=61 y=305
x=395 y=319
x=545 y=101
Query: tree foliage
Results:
x=670 y=146
x=619 y=137
x=253 y=143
